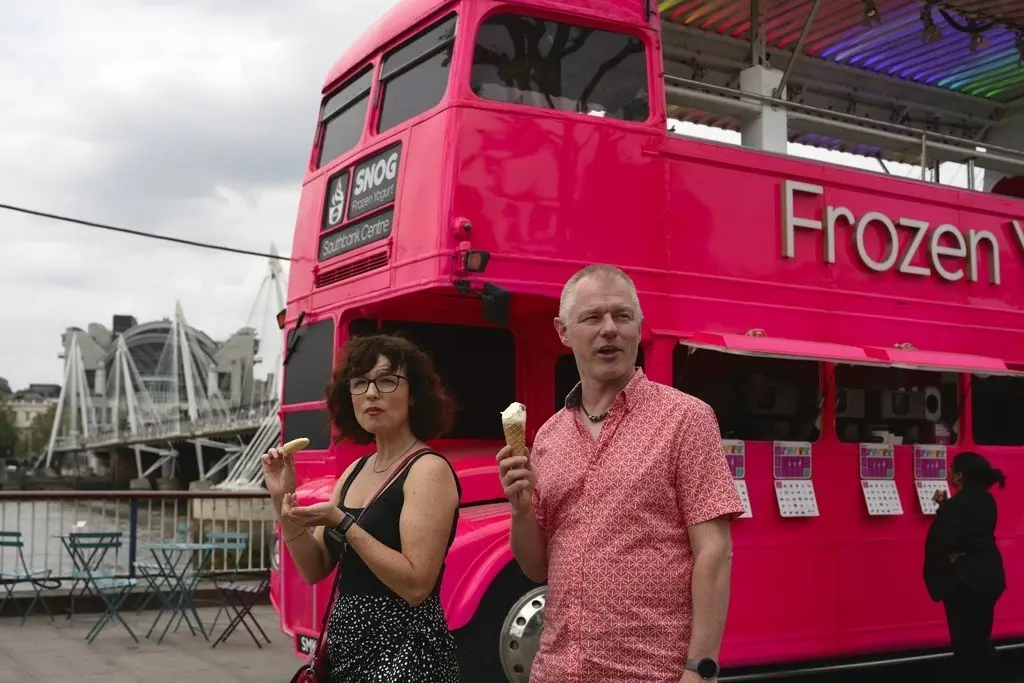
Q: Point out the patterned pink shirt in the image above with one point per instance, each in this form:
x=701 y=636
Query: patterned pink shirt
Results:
x=615 y=513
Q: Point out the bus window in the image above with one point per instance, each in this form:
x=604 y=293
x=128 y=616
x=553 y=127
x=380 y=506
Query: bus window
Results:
x=567 y=375
x=892 y=405
x=477 y=364
x=523 y=60
x=343 y=117
x=755 y=399
x=997 y=405
x=414 y=76
x=310 y=363
x=306 y=375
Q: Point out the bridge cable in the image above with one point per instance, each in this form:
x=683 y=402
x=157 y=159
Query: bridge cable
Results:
x=141 y=233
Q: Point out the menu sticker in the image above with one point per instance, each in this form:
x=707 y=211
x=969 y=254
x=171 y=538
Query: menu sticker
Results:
x=796 y=498
x=882 y=498
x=877 y=461
x=736 y=455
x=929 y=462
x=926 y=490
x=791 y=459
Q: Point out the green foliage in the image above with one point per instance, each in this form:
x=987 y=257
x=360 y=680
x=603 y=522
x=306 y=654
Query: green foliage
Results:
x=8 y=432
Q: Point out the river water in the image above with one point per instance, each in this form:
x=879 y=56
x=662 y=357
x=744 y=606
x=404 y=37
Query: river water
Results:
x=43 y=522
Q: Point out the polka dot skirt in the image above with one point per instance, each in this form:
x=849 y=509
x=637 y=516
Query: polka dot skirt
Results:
x=377 y=639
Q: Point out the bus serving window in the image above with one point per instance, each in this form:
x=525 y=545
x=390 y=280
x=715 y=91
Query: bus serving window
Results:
x=755 y=399
x=997 y=410
x=414 y=75
x=477 y=364
x=522 y=60
x=892 y=405
x=343 y=116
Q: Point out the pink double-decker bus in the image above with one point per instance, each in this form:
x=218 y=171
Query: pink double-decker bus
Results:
x=852 y=330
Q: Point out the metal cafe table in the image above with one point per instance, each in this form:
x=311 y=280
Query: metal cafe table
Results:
x=183 y=579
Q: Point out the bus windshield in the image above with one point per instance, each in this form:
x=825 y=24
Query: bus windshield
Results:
x=524 y=60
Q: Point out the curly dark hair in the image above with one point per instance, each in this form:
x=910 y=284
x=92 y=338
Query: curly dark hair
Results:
x=431 y=408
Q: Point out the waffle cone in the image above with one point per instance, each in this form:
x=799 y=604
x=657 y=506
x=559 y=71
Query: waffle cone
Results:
x=515 y=436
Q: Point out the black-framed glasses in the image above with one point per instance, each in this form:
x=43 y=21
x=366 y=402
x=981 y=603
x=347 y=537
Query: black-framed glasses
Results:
x=385 y=384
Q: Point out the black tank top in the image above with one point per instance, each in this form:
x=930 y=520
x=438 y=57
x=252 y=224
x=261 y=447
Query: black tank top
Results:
x=381 y=520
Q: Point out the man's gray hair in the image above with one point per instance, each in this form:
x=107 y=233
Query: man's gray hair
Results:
x=599 y=271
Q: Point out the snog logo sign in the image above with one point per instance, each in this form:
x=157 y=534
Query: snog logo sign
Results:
x=375 y=182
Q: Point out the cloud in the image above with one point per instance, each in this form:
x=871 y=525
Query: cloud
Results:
x=187 y=118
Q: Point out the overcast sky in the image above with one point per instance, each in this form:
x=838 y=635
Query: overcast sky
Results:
x=191 y=118
x=184 y=117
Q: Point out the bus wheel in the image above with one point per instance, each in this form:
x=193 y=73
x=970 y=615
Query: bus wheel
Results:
x=483 y=642
x=520 y=635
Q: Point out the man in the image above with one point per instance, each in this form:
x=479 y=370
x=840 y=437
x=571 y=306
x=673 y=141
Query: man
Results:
x=624 y=507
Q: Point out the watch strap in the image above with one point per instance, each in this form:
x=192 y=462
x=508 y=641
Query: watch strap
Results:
x=705 y=667
x=346 y=523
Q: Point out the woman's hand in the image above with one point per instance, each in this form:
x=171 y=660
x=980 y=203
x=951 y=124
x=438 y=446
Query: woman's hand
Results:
x=325 y=514
x=940 y=497
x=279 y=473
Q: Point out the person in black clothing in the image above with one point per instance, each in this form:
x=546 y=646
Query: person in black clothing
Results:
x=386 y=624
x=963 y=568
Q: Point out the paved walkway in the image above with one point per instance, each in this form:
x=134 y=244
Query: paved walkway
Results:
x=45 y=651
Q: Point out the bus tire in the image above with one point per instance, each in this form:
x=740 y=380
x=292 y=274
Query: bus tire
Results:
x=480 y=642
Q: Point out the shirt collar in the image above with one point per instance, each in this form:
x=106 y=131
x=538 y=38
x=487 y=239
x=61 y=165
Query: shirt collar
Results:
x=630 y=393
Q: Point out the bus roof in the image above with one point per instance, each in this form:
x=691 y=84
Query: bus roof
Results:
x=398 y=19
x=407 y=13
x=954 y=67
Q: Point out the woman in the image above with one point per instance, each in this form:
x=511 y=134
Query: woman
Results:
x=387 y=623
x=963 y=567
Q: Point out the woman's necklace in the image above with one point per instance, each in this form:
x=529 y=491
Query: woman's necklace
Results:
x=595 y=418
x=392 y=463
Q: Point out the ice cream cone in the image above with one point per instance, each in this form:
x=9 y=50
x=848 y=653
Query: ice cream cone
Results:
x=513 y=423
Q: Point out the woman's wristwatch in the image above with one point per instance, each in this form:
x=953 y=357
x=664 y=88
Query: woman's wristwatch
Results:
x=338 y=533
x=346 y=523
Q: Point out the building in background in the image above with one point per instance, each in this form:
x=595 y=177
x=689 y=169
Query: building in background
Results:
x=167 y=357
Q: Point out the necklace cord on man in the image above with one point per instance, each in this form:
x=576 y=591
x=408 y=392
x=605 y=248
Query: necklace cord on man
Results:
x=595 y=418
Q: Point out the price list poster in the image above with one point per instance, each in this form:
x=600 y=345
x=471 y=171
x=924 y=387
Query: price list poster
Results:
x=794 y=490
x=877 y=479
x=929 y=475
x=736 y=455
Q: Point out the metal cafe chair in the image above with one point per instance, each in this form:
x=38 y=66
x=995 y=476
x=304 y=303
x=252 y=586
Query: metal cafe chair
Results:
x=226 y=540
x=22 y=573
x=110 y=589
x=241 y=598
x=88 y=550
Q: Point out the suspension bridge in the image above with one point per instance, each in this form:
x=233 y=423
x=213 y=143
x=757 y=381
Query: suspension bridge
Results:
x=162 y=388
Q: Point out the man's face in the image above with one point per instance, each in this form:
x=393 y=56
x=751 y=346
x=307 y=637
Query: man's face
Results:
x=602 y=329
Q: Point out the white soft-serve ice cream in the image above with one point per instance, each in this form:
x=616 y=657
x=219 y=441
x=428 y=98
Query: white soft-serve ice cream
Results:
x=513 y=422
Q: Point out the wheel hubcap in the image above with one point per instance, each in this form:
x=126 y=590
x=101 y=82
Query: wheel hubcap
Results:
x=520 y=635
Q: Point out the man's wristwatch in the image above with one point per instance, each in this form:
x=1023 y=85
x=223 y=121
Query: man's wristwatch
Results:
x=705 y=667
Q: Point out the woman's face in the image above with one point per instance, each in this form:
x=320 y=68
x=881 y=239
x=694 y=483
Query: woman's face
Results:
x=956 y=480
x=380 y=398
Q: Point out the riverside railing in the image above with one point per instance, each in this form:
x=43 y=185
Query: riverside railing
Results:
x=43 y=517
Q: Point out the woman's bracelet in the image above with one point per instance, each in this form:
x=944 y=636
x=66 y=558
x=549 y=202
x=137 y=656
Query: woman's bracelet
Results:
x=301 y=533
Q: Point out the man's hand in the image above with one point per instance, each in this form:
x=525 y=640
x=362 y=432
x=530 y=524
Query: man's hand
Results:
x=516 y=479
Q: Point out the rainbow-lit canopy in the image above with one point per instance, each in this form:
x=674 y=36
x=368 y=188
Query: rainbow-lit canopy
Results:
x=961 y=62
